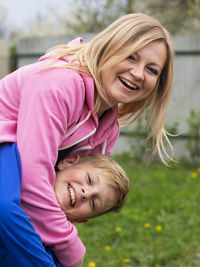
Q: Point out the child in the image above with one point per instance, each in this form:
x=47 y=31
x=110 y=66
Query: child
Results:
x=90 y=186
x=84 y=187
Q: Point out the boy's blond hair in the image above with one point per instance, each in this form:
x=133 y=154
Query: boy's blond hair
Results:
x=114 y=175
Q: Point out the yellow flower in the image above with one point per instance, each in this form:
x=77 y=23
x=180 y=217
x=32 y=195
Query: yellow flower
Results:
x=194 y=175
x=118 y=229
x=126 y=260
x=147 y=225
x=92 y=264
x=198 y=169
x=108 y=248
x=158 y=228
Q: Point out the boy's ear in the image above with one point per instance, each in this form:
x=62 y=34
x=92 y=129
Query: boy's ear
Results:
x=68 y=161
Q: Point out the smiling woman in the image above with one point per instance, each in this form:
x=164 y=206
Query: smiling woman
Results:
x=72 y=101
x=130 y=37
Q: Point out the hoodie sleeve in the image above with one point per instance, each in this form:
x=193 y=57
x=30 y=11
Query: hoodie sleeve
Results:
x=47 y=106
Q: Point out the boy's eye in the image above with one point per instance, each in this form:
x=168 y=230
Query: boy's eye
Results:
x=153 y=71
x=89 y=179
x=93 y=203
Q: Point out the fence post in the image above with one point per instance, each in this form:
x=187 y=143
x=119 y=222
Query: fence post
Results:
x=4 y=58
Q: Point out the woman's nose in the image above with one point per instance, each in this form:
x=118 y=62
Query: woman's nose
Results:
x=138 y=72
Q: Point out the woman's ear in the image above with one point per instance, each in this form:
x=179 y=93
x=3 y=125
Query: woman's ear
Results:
x=68 y=161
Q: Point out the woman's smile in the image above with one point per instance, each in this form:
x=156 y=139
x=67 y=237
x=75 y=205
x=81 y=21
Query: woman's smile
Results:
x=128 y=84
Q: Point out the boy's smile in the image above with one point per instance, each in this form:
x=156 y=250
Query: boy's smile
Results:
x=72 y=195
x=82 y=192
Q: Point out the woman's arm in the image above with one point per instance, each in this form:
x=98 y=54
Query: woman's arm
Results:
x=47 y=104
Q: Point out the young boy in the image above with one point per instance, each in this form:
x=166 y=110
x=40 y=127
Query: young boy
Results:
x=90 y=186
x=84 y=188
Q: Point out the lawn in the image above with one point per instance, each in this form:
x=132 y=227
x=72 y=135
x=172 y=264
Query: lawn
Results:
x=158 y=226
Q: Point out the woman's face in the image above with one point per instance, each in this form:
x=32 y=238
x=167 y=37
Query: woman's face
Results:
x=134 y=78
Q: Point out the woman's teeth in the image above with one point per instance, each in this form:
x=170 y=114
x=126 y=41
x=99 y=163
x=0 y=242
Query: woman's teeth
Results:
x=72 y=195
x=128 y=84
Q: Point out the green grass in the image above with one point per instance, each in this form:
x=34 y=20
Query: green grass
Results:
x=168 y=197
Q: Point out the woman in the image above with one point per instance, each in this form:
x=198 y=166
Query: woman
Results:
x=71 y=101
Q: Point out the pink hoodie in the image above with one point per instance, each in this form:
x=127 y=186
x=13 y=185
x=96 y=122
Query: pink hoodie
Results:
x=46 y=111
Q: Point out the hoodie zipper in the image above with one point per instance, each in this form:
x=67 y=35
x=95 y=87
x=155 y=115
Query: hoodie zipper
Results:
x=79 y=141
x=70 y=132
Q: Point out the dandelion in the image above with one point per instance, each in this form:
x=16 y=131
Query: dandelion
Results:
x=118 y=229
x=92 y=264
x=126 y=260
x=194 y=175
x=147 y=225
x=107 y=248
x=198 y=169
x=158 y=228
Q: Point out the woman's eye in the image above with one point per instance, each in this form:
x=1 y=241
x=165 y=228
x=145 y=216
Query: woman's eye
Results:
x=153 y=71
x=132 y=58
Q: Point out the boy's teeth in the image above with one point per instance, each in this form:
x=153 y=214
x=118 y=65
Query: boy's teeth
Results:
x=128 y=84
x=72 y=195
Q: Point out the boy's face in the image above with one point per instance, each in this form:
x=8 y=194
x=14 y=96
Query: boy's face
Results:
x=81 y=190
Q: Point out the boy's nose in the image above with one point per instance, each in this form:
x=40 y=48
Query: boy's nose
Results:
x=85 y=194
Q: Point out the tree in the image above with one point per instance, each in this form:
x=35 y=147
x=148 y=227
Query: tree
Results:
x=83 y=16
x=93 y=16
x=178 y=16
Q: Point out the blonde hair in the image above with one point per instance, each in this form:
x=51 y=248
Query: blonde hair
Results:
x=117 y=42
x=114 y=176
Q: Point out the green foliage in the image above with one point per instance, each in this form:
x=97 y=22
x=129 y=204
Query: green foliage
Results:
x=140 y=147
x=137 y=140
x=193 y=144
x=93 y=16
x=83 y=16
x=172 y=129
x=159 y=223
x=166 y=12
